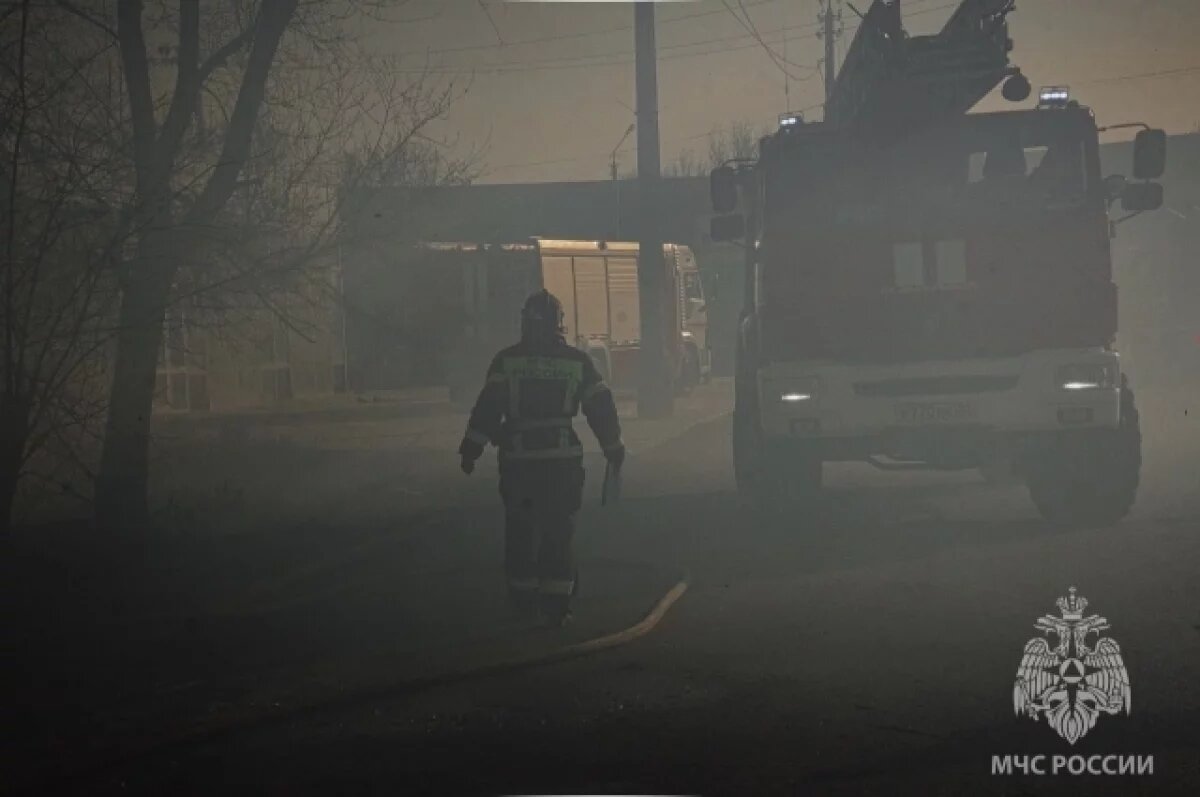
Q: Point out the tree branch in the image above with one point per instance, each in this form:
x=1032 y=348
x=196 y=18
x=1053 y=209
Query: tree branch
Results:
x=269 y=27
x=221 y=55
x=75 y=10
x=187 y=88
x=12 y=376
x=137 y=79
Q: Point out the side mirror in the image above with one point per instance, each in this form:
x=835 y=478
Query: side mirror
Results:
x=1149 y=154
x=1139 y=197
x=722 y=187
x=727 y=228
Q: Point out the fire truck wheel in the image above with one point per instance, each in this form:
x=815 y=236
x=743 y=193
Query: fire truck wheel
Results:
x=779 y=479
x=745 y=466
x=790 y=480
x=1090 y=480
x=691 y=368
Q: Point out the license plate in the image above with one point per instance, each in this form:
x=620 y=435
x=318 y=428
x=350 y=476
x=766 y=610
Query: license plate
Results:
x=940 y=412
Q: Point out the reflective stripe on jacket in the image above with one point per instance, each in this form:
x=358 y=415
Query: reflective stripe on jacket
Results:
x=532 y=393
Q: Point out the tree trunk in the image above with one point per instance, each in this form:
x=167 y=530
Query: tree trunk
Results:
x=121 y=499
x=14 y=433
x=121 y=484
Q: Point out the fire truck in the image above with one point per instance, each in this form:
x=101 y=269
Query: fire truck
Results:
x=470 y=298
x=928 y=288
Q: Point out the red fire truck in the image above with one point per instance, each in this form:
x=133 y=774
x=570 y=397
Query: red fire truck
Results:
x=932 y=289
x=462 y=301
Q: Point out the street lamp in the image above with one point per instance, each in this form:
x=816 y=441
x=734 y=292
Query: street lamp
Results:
x=616 y=185
x=628 y=131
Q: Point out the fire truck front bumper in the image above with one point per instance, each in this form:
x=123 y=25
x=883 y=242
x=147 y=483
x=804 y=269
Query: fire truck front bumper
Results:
x=955 y=413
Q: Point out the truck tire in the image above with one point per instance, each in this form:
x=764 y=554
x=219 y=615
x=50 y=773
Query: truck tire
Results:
x=691 y=368
x=791 y=478
x=745 y=468
x=1092 y=479
x=746 y=431
x=776 y=477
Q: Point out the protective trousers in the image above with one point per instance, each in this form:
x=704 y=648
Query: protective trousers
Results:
x=541 y=498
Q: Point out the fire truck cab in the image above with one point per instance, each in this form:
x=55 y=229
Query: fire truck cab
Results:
x=933 y=289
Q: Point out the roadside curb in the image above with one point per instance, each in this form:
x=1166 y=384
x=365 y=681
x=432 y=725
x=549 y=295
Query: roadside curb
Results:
x=385 y=691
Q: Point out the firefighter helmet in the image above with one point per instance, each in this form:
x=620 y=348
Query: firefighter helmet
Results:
x=542 y=317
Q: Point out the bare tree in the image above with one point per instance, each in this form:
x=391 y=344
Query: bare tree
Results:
x=737 y=140
x=685 y=164
x=166 y=230
x=276 y=269
x=233 y=100
x=60 y=184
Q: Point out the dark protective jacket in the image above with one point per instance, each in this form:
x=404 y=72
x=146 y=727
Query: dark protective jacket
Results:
x=533 y=391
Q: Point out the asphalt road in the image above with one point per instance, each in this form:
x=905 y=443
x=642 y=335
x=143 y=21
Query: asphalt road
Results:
x=868 y=648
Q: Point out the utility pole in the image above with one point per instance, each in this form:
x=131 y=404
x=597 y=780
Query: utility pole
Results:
x=830 y=20
x=615 y=177
x=787 y=99
x=655 y=398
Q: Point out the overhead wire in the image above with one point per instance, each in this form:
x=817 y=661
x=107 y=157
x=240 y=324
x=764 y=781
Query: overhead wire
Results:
x=1183 y=70
x=570 y=36
x=1162 y=73
x=758 y=41
x=747 y=23
x=602 y=59
x=625 y=58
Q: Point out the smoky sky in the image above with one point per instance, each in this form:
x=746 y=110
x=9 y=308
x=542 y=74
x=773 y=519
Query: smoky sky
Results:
x=552 y=84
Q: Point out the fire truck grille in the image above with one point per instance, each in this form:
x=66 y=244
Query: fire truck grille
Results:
x=935 y=386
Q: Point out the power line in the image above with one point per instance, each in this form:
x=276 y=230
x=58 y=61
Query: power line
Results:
x=1162 y=73
x=606 y=31
x=575 y=62
x=1183 y=70
x=569 y=36
x=606 y=59
x=625 y=58
x=748 y=24
x=491 y=21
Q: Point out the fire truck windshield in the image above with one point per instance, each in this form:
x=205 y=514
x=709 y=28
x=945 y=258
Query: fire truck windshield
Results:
x=988 y=167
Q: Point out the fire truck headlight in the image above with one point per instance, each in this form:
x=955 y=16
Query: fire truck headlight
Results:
x=1086 y=376
x=799 y=392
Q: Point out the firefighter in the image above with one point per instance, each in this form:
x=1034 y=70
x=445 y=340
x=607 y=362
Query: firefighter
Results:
x=533 y=391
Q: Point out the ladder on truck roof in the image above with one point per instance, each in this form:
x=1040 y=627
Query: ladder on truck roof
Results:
x=890 y=80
